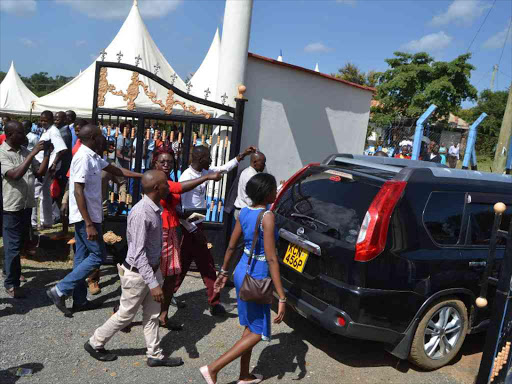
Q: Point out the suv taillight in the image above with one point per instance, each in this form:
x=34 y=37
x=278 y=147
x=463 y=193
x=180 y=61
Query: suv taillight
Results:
x=290 y=181
x=374 y=229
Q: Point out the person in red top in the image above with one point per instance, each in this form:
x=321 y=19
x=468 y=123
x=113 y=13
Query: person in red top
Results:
x=5 y=120
x=170 y=261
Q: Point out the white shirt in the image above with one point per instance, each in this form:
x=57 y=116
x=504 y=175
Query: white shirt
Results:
x=86 y=168
x=454 y=151
x=196 y=197
x=32 y=140
x=242 y=200
x=52 y=134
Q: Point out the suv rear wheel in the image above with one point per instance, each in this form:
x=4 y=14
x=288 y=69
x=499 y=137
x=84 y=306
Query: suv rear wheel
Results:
x=440 y=334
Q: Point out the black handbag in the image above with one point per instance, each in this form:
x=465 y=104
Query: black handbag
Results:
x=254 y=290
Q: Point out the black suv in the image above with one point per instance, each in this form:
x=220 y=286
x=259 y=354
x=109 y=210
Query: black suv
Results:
x=390 y=250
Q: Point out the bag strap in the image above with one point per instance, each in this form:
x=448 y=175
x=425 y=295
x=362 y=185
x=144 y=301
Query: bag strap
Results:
x=255 y=236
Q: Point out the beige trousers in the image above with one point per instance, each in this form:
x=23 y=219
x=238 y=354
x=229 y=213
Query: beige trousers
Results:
x=134 y=293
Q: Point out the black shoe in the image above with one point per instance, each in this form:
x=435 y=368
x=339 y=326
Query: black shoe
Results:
x=99 y=354
x=180 y=304
x=59 y=301
x=165 y=362
x=88 y=306
x=172 y=325
x=221 y=309
x=230 y=284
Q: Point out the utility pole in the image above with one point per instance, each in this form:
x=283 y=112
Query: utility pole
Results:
x=494 y=72
x=500 y=156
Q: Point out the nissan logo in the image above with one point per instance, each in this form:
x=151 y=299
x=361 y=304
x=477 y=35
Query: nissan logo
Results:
x=300 y=231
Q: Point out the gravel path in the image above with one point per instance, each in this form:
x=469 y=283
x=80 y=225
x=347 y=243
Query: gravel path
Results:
x=34 y=334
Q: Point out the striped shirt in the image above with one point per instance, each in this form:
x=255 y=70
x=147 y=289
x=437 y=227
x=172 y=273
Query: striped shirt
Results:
x=144 y=236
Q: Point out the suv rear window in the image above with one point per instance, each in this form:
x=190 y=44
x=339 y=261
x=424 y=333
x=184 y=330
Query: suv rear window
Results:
x=329 y=201
x=443 y=216
x=481 y=219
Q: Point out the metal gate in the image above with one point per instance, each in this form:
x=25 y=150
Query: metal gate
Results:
x=182 y=123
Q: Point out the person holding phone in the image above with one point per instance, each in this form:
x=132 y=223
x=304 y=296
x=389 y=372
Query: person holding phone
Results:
x=19 y=169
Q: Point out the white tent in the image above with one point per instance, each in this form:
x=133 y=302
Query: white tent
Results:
x=206 y=76
x=133 y=41
x=15 y=97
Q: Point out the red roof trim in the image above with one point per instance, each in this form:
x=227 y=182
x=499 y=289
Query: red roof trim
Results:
x=296 y=67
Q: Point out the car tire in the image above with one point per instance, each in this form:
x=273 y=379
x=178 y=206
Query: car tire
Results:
x=440 y=334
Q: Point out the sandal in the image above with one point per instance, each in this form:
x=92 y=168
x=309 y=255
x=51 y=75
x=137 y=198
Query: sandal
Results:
x=206 y=375
x=258 y=379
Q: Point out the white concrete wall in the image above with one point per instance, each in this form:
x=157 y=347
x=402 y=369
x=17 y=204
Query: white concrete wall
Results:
x=296 y=118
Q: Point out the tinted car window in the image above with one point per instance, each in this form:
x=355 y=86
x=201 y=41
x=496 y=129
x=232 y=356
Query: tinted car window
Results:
x=443 y=216
x=481 y=219
x=329 y=203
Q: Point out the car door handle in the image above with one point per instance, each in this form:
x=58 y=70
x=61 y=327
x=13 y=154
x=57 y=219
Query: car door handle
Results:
x=477 y=264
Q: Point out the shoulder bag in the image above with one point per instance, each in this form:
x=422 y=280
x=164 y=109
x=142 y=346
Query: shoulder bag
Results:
x=257 y=291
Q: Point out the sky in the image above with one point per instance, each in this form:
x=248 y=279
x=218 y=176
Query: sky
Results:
x=62 y=37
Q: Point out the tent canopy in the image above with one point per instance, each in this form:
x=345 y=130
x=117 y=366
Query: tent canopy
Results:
x=206 y=76
x=15 y=97
x=132 y=41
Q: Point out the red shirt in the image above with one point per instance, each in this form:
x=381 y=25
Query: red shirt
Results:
x=170 y=217
x=2 y=138
x=73 y=151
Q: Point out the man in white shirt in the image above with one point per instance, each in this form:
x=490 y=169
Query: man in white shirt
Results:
x=453 y=155
x=51 y=133
x=258 y=162
x=86 y=212
x=194 y=246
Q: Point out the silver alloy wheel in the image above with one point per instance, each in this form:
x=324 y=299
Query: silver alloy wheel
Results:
x=442 y=332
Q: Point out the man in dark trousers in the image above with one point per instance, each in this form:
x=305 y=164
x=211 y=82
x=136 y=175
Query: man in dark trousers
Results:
x=195 y=246
x=19 y=169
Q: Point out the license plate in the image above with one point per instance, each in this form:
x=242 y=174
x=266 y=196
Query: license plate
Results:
x=296 y=257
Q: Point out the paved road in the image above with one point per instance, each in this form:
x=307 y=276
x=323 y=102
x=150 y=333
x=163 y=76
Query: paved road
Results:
x=34 y=334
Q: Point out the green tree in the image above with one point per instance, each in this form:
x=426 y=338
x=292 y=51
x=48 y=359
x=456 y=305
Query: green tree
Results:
x=494 y=104
x=415 y=81
x=2 y=76
x=352 y=73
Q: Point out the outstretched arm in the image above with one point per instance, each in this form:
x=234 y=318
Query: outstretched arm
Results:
x=121 y=172
x=191 y=184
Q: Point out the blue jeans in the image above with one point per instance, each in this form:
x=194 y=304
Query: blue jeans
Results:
x=16 y=231
x=88 y=256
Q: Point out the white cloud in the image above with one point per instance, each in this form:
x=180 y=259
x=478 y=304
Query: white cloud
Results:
x=347 y=2
x=80 y=43
x=317 y=47
x=27 y=42
x=119 y=9
x=461 y=12
x=433 y=42
x=18 y=7
x=497 y=41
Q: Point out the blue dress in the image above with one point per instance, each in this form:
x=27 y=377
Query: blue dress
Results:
x=252 y=315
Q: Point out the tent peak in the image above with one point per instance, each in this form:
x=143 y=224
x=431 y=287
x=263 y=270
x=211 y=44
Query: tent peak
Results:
x=135 y=3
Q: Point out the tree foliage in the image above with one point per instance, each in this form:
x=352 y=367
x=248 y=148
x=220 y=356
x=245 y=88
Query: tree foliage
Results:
x=494 y=104
x=352 y=73
x=415 y=81
x=42 y=84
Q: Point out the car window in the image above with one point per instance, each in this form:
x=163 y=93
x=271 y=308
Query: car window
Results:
x=443 y=216
x=481 y=219
x=328 y=203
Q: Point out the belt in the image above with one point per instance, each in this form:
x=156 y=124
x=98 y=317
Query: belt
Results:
x=133 y=269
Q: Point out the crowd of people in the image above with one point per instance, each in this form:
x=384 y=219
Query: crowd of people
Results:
x=68 y=162
x=431 y=152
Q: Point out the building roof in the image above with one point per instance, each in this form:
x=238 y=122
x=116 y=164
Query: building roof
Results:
x=15 y=97
x=312 y=72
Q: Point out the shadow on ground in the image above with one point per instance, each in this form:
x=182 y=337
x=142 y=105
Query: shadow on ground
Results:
x=292 y=350
x=8 y=376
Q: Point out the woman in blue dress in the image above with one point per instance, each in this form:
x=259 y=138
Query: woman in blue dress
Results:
x=262 y=190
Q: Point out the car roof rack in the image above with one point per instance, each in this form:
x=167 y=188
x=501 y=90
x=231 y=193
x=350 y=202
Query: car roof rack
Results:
x=391 y=161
